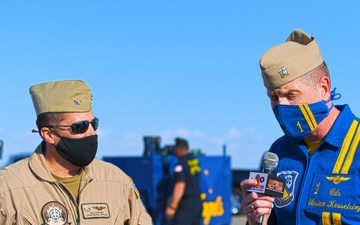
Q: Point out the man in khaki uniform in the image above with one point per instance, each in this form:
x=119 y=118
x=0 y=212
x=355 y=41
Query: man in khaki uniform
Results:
x=61 y=182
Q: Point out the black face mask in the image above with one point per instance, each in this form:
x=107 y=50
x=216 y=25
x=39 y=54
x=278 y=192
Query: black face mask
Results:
x=78 y=151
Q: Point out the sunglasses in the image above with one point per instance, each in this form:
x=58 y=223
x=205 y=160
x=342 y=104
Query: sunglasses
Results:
x=81 y=126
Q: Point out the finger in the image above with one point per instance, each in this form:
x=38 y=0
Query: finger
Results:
x=259 y=206
x=257 y=196
x=257 y=212
x=265 y=198
x=248 y=199
x=250 y=208
x=245 y=184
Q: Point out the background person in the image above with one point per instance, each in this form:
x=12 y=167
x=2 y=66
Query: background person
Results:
x=185 y=206
x=319 y=153
x=61 y=182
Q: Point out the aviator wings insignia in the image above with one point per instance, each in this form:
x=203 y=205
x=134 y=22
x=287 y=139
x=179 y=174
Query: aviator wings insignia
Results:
x=337 y=179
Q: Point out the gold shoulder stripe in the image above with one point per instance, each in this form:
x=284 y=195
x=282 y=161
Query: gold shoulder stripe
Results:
x=308 y=115
x=348 y=149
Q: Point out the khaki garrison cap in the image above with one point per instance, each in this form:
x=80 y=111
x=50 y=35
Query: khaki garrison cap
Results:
x=61 y=96
x=285 y=62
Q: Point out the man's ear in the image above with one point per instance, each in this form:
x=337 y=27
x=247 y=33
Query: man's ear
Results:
x=324 y=84
x=47 y=135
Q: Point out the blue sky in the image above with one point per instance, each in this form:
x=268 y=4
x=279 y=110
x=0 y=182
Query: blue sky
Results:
x=166 y=68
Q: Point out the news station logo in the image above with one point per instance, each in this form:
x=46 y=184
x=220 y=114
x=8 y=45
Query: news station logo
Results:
x=267 y=184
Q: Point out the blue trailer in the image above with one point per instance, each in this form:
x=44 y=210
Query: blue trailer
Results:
x=153 y=176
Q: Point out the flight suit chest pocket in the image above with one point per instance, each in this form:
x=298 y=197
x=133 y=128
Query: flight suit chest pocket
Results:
x=335 y=193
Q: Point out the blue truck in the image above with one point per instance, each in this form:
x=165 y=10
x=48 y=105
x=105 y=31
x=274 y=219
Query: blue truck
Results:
x=153 y=175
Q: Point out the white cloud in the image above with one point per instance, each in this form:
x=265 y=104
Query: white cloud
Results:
x=130 y=140
x=233 y=133
x=199 y=134
x=182 y=132
x=103 y=133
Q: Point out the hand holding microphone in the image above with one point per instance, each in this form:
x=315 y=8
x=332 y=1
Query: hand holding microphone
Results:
x=268 y=183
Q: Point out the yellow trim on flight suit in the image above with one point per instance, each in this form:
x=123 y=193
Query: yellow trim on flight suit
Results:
x=337 y=219
x=352 y=150
x=348 y=149
x=342 y=165
x=326 y=218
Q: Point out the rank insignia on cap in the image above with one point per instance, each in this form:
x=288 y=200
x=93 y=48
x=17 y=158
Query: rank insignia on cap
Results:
x=77 y=102
x=283 y=71
x=294 y=58
x=61 y=96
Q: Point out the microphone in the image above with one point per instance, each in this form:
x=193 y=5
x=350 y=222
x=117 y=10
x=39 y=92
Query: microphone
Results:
x=269 y=161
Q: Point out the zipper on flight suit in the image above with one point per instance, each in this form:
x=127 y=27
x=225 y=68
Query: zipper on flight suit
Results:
x=301 y=195
x=69 y=198
x=298 y=204
x=87 y=181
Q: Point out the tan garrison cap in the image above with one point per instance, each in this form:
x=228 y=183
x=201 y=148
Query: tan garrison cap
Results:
x=285 y=62
x=61 y=96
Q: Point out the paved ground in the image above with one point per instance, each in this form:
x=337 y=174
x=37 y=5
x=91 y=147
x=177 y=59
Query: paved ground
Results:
x=238 y=220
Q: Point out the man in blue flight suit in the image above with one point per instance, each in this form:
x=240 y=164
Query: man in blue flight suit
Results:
x=319 y=153
x=185 y=206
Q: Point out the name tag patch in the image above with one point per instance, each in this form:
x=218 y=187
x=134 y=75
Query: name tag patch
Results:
x=334 y=193
x=95 y=210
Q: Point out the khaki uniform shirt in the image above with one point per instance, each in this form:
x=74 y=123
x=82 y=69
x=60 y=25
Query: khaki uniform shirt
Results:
x=30 y=195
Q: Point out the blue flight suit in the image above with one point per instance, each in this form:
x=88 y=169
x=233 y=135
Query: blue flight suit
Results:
x=322 y=188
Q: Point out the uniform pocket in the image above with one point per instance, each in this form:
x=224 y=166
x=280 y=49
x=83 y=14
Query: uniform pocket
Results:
x=334 y=193
x=26 y=219
x=118 y=215
x=144 y=219
x=333 y=197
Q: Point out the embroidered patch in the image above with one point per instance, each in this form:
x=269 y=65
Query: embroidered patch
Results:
x=288 y=196
x=95 y=210
x=337 y=179
x=178 y=169
x=137 y=193
x=54 y=213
